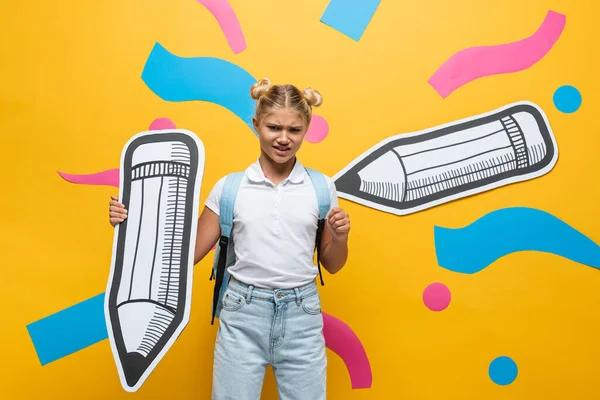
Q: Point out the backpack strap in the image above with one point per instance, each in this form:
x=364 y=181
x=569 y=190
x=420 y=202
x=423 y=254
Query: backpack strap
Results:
x=324 y=201
x=228 y=195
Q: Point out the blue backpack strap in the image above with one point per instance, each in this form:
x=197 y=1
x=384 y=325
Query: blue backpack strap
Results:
x=322 y=190
x=324 y=200
x=228 y=195
x=226 y=204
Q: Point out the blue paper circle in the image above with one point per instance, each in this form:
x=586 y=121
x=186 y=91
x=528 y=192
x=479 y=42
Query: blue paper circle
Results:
x=503 y=370
x=567 y=99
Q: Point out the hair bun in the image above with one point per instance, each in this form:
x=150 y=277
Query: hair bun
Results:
x=313 y=97
x=260 y=88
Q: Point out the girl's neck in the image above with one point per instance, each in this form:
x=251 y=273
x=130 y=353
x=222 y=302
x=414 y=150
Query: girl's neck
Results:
x=276 y=172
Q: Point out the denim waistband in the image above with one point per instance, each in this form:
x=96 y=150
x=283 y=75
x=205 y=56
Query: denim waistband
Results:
x=274 y=295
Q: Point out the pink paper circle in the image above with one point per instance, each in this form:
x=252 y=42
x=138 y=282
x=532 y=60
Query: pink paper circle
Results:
x=436 y=296
x=162 y=123
x=318 y=129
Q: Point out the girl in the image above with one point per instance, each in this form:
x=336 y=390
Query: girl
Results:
x=271 y=311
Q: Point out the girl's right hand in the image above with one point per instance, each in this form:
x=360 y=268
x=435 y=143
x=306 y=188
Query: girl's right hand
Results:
x=117 y=212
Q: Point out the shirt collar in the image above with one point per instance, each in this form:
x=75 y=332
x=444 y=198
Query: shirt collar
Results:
x=255 y=173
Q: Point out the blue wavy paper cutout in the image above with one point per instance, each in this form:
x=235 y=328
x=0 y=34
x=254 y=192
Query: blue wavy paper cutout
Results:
x=174 y=78
x=474 y=247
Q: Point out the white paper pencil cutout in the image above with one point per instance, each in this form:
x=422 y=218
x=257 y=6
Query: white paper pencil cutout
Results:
x=410 y=172
x=149 y=290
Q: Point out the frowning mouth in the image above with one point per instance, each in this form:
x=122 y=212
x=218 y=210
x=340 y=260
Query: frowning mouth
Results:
x=281 y=150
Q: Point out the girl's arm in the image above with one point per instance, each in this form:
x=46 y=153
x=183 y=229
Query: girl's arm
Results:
x=207 y=235
x=334 y=242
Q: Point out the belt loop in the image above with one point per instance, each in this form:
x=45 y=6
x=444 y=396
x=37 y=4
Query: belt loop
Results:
x=249 y=294
x=298 y=296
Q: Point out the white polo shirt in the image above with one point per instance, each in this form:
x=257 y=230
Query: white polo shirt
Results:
x=274 y=227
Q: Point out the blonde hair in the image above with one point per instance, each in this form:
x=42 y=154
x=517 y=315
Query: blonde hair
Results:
x=284 y=96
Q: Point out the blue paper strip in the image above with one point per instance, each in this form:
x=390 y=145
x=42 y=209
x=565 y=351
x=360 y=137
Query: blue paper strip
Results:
x=69 y=330
x=350 y=17
x=499 y=233
x=175 y=78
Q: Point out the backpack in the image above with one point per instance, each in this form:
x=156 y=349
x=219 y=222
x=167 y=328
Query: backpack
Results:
x=225 y=255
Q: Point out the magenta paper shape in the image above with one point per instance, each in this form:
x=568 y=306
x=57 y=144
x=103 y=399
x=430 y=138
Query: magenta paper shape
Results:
x=437 y=296
x=108 y=178
x=162 y=123
x=228 y=21
x=340 y=339
x=317 y=130
x=111 y=177
x=476 y=62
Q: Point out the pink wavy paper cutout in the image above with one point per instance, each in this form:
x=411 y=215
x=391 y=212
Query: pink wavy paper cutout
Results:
x=228 y=21
x=340 y=339
x=108 y=178
x=318 y=129
x=476 y=62
x=111 y=177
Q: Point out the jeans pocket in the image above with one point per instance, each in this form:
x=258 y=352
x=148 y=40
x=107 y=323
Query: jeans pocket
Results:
x=312 y=304
x=233 y=301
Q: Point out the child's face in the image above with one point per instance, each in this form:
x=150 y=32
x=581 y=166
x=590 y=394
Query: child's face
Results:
x=281 y=132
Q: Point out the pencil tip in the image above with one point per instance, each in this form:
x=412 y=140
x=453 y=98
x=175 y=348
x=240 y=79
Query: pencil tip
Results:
x=348 y=182
x=134 y=366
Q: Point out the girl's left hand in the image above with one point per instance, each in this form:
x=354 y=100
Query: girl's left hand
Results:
x=338 y=223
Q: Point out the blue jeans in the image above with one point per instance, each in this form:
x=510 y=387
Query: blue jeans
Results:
x=260 y=327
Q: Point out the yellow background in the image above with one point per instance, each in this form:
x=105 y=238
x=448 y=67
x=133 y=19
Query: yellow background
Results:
x=71 y=96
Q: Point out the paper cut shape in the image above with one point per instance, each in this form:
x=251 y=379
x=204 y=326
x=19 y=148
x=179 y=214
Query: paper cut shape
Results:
x=567 y=99
x=174 y=78
x=411 y=172
x=83 y=324
x=503 y=370
x=476 y=62
x=162 y=123
x=317 y=130
x=150 y=284
x=228 y=21
x=340 y=339
x=107 y=178
x=111 y=177
x=69 y=330
x=437 y=296
x=476 y=246
x=350 y=17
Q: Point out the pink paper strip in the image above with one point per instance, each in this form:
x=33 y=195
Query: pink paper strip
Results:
x=476 y=62
x=108 y=178
x=228 y=21
x=111 y=176
x=340 y=339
